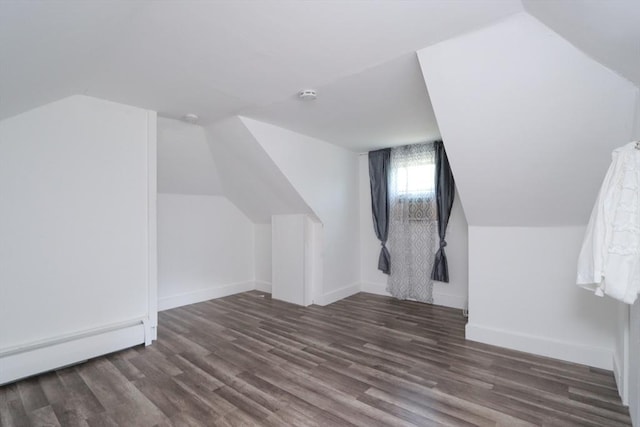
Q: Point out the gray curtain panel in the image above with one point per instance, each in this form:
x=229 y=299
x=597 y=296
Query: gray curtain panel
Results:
x=445 y=193
x=378 y=178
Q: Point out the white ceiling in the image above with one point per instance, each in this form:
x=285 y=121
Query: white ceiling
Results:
x=608 y=31
x=387 y=105
x=226 y=57
x=220 y=58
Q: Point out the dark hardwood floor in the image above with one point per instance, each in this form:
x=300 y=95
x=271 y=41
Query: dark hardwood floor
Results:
x=367 y=361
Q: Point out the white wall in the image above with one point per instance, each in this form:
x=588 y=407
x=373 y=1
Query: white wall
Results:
x=205 y=249
x=76 y=223
x=249 y=177
x=522 y=295
x=262 y=256
x=326 y=176
x=185 y=163
x=452 y=294
x=205 y=243
x=73 y=180
x=529 y=122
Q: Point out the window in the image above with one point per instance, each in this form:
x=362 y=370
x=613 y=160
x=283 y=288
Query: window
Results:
x=416 y=181
x=412 y=182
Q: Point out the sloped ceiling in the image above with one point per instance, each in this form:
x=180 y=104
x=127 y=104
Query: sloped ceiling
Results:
x=224 y=159
x=529 y=122
x=220 y=58
x=384 y=106
x=608 y=31
x=249 y=177
x=185 y=163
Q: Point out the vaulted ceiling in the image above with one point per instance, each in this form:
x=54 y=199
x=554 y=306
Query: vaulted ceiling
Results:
x=222 y=58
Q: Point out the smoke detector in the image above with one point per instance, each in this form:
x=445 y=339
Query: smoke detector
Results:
x=307 y=94
x=190 y=118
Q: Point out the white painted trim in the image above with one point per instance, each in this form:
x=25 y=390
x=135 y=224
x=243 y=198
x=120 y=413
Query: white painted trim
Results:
x=375 y=288
x=60 y=339
x=152 y=226
x=263 y=286
x=446 y=300
x=35 y=359
x=451 y=301
x=338 y=294
x=618 y=374
x=313 y=264
x=635 y=132
x=206 y=294
x=632 y=374
x=598 y=357
x=621 y=369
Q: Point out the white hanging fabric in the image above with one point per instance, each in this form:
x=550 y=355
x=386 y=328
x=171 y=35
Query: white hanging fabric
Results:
x=609 y=262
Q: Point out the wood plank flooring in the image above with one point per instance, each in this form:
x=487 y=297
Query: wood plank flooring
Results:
x=367 y=360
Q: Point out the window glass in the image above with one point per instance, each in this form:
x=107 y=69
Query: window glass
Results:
x=416 y=180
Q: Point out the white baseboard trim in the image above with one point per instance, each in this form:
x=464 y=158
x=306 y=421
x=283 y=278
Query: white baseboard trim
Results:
x=173 y=301
x=446 y=300
x=375 y=288
x=15 y=365
x=598 y=357
x=451 y=301
x=338 y=294
x=263 y=286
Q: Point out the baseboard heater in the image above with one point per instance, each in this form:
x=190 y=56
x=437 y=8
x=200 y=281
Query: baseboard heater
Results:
x=42 y=356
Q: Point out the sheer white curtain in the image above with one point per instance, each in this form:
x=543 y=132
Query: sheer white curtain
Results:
x=412 y=221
